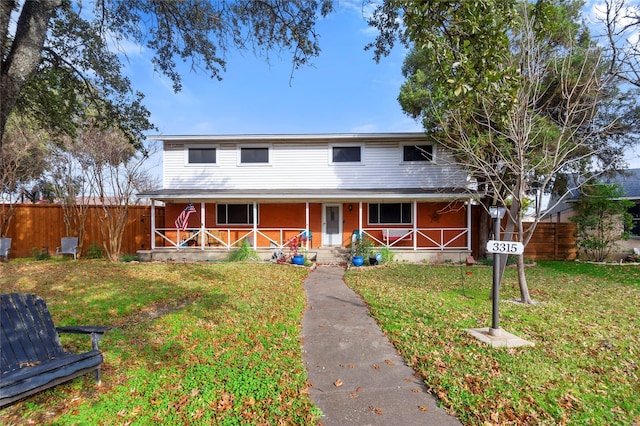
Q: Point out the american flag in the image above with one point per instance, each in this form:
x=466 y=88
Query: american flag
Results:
x=183 y=218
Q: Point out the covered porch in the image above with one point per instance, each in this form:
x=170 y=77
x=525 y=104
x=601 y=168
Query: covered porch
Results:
x=417 y=225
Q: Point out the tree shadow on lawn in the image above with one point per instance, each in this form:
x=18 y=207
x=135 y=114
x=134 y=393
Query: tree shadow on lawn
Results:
x=177 y=335
x=139 y=346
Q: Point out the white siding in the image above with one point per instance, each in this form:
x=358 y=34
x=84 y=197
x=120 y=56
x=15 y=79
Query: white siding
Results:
x=306 y=165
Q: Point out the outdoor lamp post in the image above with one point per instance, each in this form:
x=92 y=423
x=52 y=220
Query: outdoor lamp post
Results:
x=496 y=213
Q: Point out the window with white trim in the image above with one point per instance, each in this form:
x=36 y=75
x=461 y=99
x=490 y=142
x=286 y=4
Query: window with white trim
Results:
x=346 y=154
x=202 y=155
x=254 y=155
x=412 y=153
x=389 y=213
x=234 y=214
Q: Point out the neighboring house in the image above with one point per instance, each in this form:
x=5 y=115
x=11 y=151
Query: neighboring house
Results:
x=400 y=190
x=629 y=180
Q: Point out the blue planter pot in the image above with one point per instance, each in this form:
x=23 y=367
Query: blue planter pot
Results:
x=357 y=260
x=298 y=259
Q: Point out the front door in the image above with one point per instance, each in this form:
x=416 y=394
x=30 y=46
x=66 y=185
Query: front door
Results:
x=332 y=225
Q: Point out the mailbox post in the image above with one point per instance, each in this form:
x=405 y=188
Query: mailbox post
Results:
x=496 y=213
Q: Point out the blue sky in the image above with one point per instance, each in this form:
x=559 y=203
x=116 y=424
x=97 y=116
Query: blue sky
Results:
x=345 y=91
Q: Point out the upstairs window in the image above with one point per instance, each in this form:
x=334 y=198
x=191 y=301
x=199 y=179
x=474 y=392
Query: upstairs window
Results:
x=250 y=155
x=346 y=154
x=390 y=213
x=202 y=155
x=417 y=153
x=234 y=214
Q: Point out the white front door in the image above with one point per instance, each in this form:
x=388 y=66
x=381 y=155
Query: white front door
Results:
x=332 y=225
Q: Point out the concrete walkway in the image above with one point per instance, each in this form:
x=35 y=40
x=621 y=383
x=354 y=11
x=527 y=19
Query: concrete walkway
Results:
x=357 y=377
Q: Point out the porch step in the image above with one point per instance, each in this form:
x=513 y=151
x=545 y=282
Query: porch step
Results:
x=331 y=255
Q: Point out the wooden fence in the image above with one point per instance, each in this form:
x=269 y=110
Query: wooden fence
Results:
x=552 y=241
x=41 y=226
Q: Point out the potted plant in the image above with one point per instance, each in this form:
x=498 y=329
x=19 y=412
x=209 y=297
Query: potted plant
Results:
x=361 y=249
x=297 y=258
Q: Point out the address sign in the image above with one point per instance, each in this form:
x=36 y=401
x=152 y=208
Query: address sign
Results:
x=505 y=247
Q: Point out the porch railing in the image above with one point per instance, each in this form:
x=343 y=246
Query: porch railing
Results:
x=278 y=238
x=419 y=238
x=227 y=238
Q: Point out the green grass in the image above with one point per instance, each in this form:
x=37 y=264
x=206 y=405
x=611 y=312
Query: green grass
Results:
x=191 y=343
x=219 y=343
x=584 y=368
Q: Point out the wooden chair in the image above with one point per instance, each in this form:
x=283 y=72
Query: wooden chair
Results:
x=32 y=358
x=68 y=245
x=214 y=238
x=5 y=246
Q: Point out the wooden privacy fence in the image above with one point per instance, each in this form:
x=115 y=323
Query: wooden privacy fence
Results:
x=41 y=226
x=552 y=241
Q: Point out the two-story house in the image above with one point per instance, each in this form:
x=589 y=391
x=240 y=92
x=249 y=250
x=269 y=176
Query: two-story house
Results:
x=400 y=190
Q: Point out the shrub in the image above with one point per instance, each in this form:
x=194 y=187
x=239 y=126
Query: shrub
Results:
x=602 y=219
x=242 y=253
x=129 y=258
x=40 y=254
x=95 y=252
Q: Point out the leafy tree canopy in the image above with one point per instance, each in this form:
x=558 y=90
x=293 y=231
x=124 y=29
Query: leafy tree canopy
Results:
x=61 y=62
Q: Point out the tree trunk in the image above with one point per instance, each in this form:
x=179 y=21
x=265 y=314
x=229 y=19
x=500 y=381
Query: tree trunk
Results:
x=25 y=52
x=483 y=229
x=522 y=278
x=522 y=281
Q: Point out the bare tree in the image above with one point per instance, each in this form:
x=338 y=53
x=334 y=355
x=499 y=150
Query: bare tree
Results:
x=621 y=20
x=554 y=127
x=73 y=191
x=114 y=172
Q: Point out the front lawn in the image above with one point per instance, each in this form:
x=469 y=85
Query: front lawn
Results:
x=191 y=343
x=584 y=368
x=220 y=343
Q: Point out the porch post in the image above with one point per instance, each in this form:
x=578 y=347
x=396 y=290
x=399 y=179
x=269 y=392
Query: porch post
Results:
x=414 y=219
x=202 y=239
x=469 y=224
x=306 y=223
x=255 y=225
x=153 y=224
x=360 y=217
